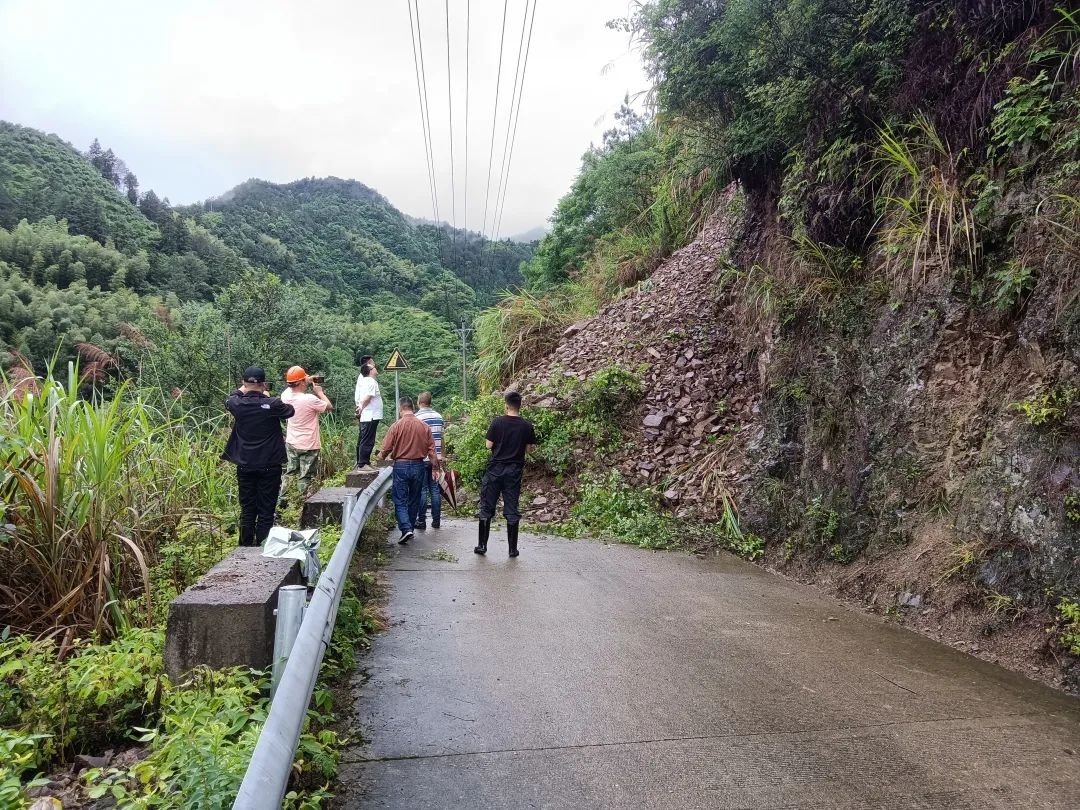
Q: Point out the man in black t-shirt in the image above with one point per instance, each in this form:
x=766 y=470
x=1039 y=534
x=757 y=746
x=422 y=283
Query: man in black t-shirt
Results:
x=508 y=437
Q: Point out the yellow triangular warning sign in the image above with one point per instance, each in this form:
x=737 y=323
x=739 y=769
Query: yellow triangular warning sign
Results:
x=396 y=362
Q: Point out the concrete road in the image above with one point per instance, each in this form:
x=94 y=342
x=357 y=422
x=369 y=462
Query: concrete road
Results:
x=583 y=675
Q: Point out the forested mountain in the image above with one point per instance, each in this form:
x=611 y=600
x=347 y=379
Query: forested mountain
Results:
x=318 y=272
x=41 y=175
x=350 y=240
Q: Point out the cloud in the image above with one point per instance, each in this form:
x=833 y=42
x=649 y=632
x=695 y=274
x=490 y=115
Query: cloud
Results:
x=198 y=97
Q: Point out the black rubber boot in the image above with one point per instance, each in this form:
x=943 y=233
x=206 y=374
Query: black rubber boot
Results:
x=485 y=530
x=512 y=537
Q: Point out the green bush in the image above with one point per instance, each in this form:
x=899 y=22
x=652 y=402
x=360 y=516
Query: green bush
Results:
x=84 y=703
x=1069 y=615
x=1048 y=408
x=89 y=490
x=465 y=439
x=593 y=416
x=610 y=508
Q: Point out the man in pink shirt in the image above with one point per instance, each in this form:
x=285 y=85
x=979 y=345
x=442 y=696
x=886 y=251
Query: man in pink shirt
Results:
x=302 y=443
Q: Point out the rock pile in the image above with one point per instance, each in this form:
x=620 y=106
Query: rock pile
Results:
x=699 y=396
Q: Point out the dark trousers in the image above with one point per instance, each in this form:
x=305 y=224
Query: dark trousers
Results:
x=367 y=442
x=505 y=480
x=259 y=488
x=408 y=483
x=429 y=492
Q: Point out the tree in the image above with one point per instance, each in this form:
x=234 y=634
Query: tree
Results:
x=628 y=124
x=131 y=183
x=104 y=161
x=153 y=208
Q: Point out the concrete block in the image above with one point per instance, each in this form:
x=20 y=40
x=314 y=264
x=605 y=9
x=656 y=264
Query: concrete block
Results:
x=325 y=506
x=359 y=480
x=226 y=619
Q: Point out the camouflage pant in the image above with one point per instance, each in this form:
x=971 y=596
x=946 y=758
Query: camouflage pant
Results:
x=303 y=464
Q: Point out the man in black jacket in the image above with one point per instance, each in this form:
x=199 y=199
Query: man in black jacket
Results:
x=257 y=448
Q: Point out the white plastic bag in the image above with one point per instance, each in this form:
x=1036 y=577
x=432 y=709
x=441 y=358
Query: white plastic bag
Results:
x=296 y=545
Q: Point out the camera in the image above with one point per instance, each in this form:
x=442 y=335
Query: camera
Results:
x=319 y=379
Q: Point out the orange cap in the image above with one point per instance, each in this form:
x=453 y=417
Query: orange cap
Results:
x=295 y=374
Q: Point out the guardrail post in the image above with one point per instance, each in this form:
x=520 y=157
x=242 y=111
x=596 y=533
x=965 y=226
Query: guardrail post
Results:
x=346 y=511
x=289 y=615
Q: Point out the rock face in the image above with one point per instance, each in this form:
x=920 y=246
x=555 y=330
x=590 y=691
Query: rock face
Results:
x=849 y=433
x=226 y=619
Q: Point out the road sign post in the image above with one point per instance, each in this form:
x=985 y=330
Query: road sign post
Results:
x=396 y=364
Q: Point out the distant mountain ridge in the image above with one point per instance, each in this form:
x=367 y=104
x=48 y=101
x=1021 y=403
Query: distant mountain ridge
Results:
x=195 y=288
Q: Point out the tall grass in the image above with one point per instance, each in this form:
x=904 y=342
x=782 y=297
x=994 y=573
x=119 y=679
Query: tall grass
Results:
x=927 y=228
x=89 y=490
x=522 y=328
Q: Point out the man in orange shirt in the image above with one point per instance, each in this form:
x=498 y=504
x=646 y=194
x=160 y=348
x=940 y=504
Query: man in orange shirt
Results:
x=408 y=443
x=302 y=439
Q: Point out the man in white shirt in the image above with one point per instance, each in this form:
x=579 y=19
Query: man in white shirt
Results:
x=368 y=411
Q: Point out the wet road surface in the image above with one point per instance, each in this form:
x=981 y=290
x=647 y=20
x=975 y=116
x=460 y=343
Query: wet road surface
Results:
x=584 y=675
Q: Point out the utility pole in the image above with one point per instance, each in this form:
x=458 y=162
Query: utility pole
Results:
x=463 y=333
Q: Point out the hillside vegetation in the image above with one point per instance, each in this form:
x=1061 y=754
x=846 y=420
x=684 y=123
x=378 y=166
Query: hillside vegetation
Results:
x=876 y=314
x=316 y=272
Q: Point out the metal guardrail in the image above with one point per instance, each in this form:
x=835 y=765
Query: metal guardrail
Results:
x=267 y=776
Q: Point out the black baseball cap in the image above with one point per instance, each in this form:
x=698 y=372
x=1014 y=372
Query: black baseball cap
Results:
x=254 y=374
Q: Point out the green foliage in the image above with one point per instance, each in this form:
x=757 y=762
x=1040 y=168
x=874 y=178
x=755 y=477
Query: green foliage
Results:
x=760 y=72
x=1025 y=114
x=612 y=189
x=592 y=415
x=1048 y=408
x=523 y=327
x=428 y=343
x=18 y=755
x=465 y=438
x=822 y=522
x=198 y=752
x=609 y=508
x=42 y=176
x=1071 y=502
x=1069 y=625
x=927 y=225
x=1013 y=282
x=348 y=239
x=76 y=546
x=351 y=275
x=84 y=703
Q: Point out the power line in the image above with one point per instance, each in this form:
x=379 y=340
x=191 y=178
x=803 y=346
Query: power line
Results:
x=500 y=191
x=450 y=105
x=427 y=106
x=465 y=212
x=421 y=95
x=501 y=206
x=494 y=118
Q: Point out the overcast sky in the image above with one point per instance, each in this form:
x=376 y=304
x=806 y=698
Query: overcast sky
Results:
x=200 y=95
